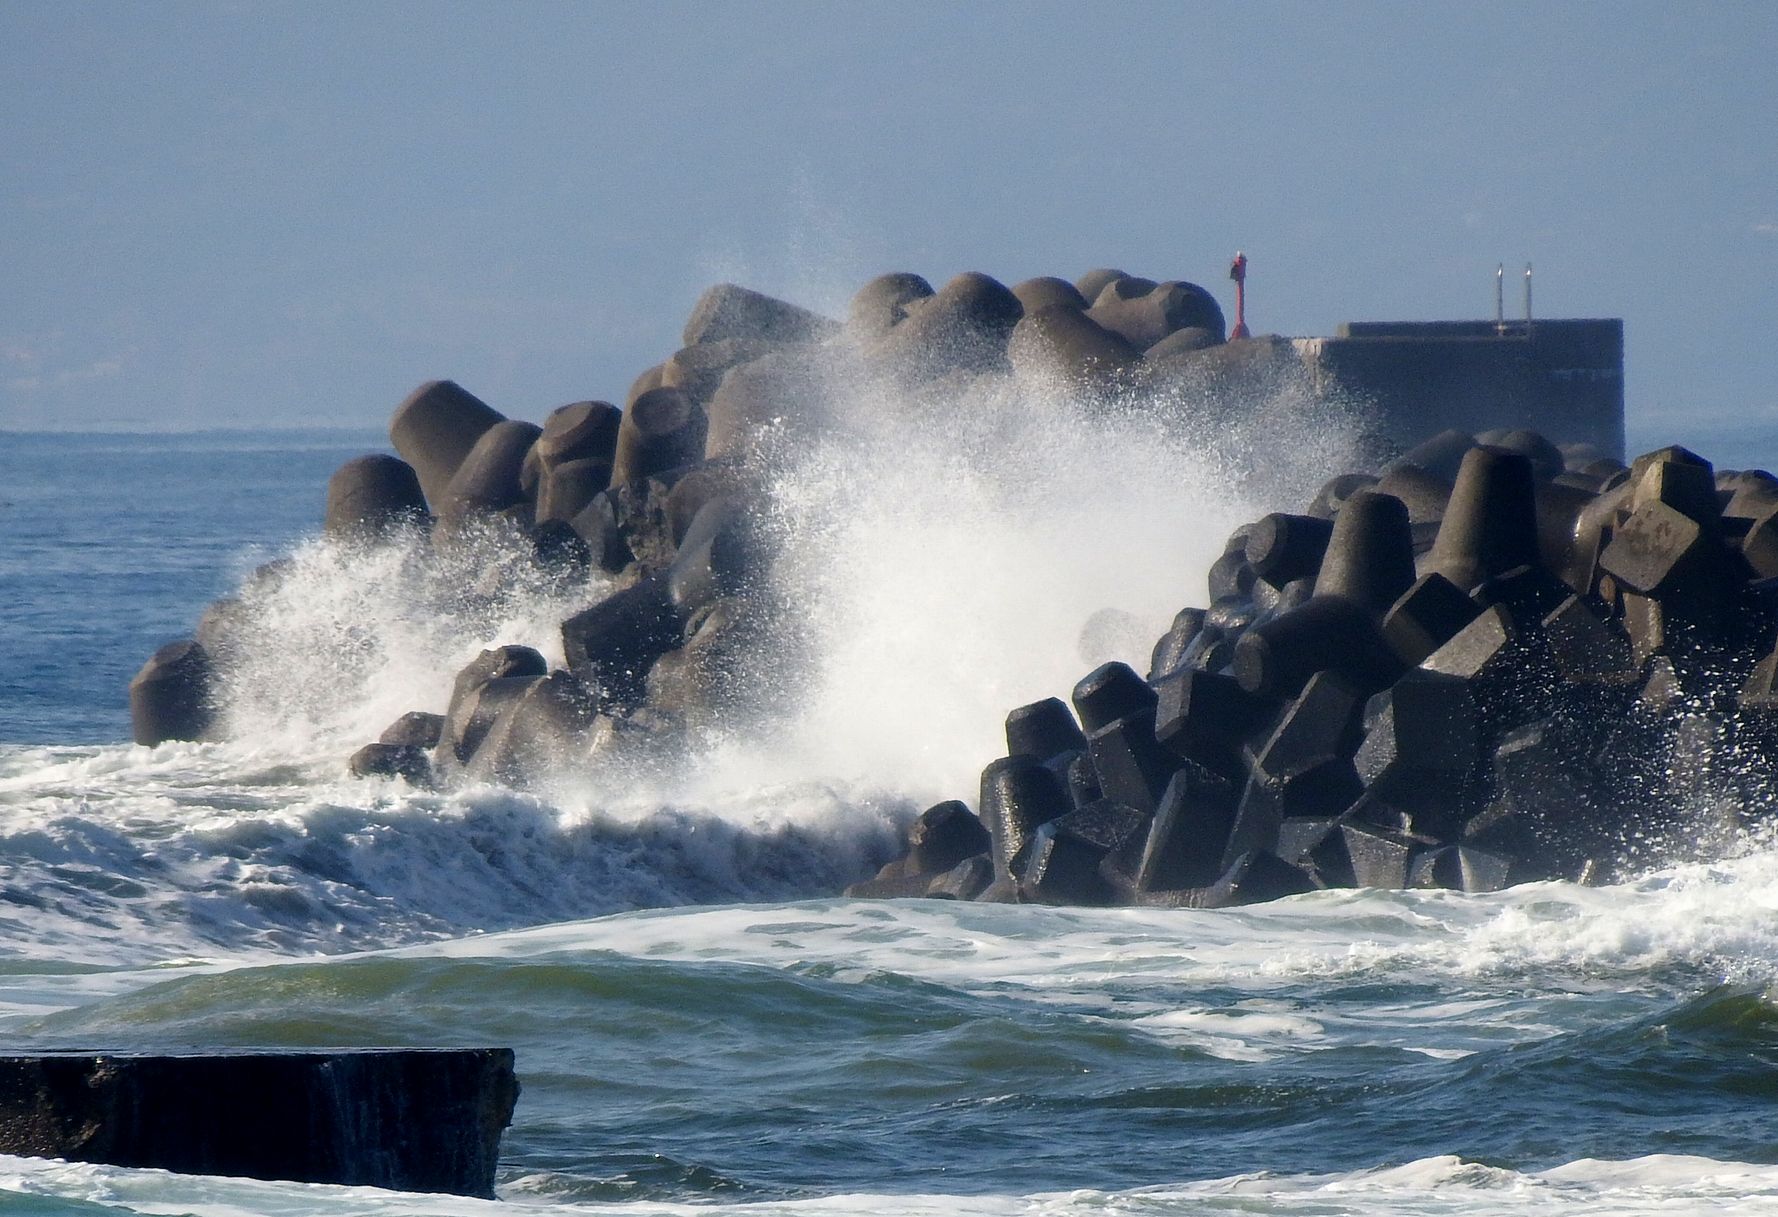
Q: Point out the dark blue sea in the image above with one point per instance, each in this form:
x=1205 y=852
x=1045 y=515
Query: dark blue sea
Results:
x=701 y=1023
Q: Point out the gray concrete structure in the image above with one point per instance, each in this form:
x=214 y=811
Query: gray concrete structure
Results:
x=1563 y=378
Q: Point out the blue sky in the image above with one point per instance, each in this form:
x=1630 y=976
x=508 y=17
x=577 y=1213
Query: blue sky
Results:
x=229 y=214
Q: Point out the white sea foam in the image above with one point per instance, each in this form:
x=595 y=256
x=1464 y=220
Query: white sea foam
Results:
x=944 y=553
x=1653 y=1186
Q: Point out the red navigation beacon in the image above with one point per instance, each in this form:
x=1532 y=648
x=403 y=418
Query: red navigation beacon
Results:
x=1238 y=272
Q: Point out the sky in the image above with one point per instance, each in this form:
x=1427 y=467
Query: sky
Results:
x=287 y=215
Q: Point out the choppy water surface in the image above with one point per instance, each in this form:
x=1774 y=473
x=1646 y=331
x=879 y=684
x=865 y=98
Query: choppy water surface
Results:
x=700 y=1024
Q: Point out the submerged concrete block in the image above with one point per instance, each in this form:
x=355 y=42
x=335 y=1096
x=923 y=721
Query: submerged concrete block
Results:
x=420 y=1120
x=170 y=695
x=944 y=836
x=1255 y=878
x=408 y=761
x=965 y=881
x=1189 y=833
x=1380 y=858
x=1460 y=868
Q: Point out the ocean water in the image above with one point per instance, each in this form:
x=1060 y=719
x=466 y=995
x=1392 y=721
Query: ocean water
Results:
x=702 y=1025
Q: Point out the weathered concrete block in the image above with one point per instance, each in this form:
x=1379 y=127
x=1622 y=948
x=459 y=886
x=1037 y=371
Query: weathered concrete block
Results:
x=1424 y=494
x=1110 y=692
x=882 y=303
x=1205 y=717
x=1656 y=548
x=582 y=430
x=421 y=1120
x=370 y=495
x=1133 y=767
x=1097 y=280
x=1018 y=796
x=170 y=695
x=1677 y=478
x=965 y=881
x=1043 y=729
x=1276 y=658
x=729 y=311
x=1428 y=615
x=1067 y=857
x=1169 y=654
x=1283 y=547
x=1460 y=868
x=565 y=489
x=416 y=727
x=407 y=761
x=1370 y=554
x=435 y=428
x=777 y=399
x=697 y=370
x=1440 y=455
x=544 y=729
x=1546 y=459
x=1182 y=344
x=1333 y=495
x=611 y=645
x=1304 y=766
x=1586 y=648
x=664 y=430
x=1061 y=341
x=1421 y=746
x=944 y=836
x=1047 y=291
x=1490 y=523
x=722 y=554
x=488 y=479
x=964 y=326
x=1189 y=833
x=1144 y=315
x=1510 y=675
